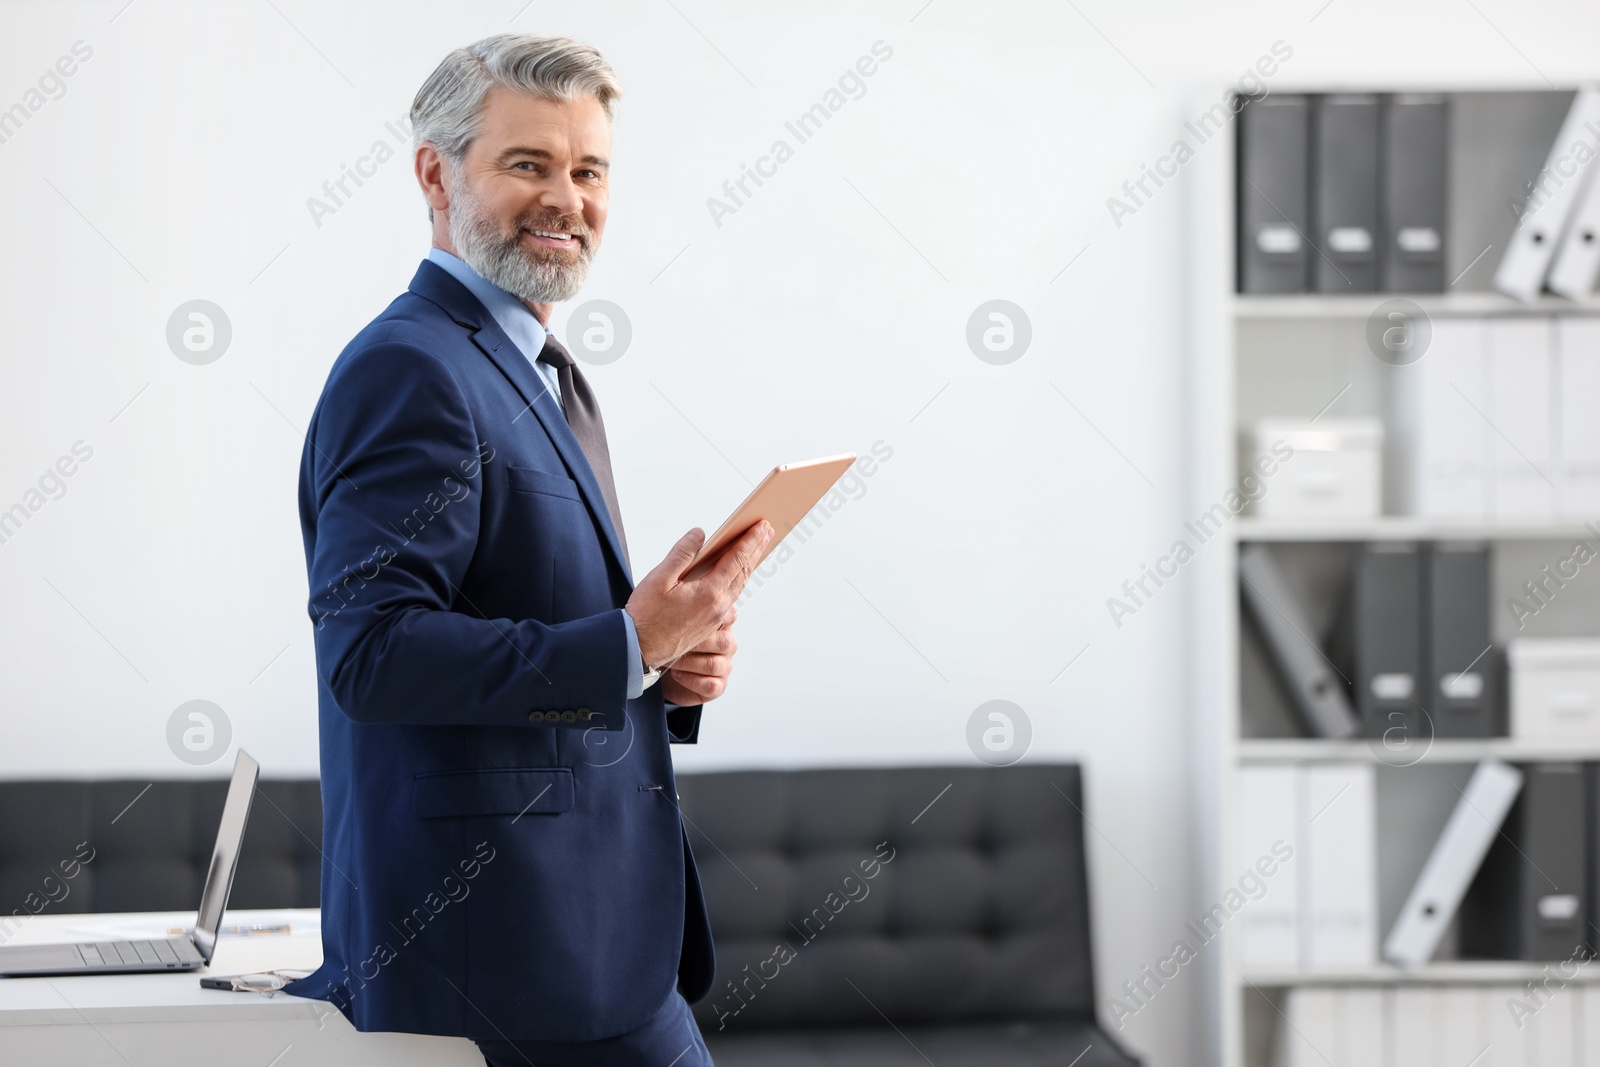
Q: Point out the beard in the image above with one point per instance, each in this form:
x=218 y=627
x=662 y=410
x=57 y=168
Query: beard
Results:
x=533 y=275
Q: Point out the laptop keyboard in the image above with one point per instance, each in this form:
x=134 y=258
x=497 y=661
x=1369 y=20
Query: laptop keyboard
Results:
x=169 y=953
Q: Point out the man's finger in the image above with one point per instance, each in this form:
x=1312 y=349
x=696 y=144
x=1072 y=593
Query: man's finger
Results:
x=682 y=552
x=701 y=685
x=739 y=559
x=704 y=663
x=719 y=641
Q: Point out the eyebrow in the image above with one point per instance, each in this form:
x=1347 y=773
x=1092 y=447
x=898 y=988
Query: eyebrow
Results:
x=541 y=153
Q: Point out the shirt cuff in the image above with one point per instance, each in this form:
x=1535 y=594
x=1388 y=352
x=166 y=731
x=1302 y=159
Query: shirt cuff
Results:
x=635 y=662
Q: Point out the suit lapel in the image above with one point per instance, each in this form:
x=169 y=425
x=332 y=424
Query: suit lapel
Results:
x=434 y=283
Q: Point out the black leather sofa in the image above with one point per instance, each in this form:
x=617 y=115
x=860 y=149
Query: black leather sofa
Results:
x=151 y=843
x=862 y=916
x=969 y=946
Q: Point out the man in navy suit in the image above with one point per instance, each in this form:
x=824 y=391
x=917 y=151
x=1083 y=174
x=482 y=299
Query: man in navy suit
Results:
x=504 y=859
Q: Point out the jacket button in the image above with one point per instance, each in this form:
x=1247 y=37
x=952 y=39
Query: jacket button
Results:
x=585 y=712
x=536 y=716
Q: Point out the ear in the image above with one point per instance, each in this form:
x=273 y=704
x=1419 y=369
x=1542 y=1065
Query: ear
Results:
x=433 y=175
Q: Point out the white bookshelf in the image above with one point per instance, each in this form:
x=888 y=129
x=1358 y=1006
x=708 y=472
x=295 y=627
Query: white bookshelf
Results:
x=1238 y=341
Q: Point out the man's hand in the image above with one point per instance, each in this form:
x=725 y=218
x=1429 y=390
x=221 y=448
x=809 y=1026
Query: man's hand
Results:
x=701 y=674
x=672 y=616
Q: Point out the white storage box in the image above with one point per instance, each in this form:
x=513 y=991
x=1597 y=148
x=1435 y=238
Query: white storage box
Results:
x=1555 y=687
x=1332 y=469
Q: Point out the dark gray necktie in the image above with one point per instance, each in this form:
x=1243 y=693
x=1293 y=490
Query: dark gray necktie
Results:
x=583 y=415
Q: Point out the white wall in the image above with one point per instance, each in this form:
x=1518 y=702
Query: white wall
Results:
x=823 y=315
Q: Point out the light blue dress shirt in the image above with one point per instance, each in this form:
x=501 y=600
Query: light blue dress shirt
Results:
x=528 y=334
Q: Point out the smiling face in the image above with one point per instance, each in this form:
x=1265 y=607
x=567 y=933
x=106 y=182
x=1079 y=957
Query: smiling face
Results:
x=526 y=206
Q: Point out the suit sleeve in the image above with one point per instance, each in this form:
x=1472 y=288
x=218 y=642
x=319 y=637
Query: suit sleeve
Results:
x=396 y=639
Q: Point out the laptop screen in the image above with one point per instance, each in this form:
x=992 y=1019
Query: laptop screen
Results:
x=225 y=856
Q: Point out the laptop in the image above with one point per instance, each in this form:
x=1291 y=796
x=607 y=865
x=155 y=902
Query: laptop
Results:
x=187 y=953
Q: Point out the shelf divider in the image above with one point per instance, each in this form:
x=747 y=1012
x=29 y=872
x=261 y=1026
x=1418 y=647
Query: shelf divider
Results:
x=1411 y=528
x=1442 y=750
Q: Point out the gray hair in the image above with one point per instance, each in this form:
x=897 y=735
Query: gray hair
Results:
x=448 y=109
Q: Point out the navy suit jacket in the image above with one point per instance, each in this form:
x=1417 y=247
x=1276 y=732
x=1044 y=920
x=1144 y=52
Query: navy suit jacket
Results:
x=503 y=852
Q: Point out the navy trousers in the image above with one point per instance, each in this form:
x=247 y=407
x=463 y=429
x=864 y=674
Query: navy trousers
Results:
x=669 y=1039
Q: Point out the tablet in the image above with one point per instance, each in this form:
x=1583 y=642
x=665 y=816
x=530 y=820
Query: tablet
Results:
x=783 y=498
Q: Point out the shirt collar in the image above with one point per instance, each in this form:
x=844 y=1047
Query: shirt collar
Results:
x=514 y=317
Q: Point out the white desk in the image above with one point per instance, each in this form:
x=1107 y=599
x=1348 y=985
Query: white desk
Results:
x=167 y=1020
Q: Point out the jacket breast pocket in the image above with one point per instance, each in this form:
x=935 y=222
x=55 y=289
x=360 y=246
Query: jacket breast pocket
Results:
x=529 y=480
x=500 y=791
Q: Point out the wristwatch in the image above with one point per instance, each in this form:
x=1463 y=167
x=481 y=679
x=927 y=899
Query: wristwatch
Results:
x=652 y=675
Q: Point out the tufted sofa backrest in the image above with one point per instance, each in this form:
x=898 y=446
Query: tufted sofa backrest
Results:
x=919 y=894
x=138 y=845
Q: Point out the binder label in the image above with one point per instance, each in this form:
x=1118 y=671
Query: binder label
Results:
x=1558 y=907
x=1418 y=239
x=1395 y=686
x=1278 y=240
x=1461 y=686
x=1350 y=240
